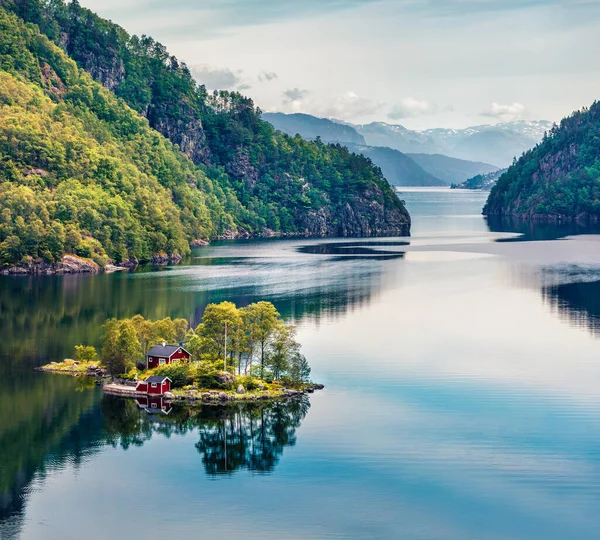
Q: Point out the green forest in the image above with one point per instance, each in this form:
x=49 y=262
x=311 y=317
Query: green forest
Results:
x=559 y=179
x=143 y=160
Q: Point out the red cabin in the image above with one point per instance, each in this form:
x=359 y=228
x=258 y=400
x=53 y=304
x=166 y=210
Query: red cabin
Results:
x=154 y=386
x=166 y=354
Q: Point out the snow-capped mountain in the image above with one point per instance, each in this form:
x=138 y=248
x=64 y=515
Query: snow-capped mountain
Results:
x=496 y=144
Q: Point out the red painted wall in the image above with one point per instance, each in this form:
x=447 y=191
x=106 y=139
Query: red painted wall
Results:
x=166 y=387
x=156 y=391
x=181 y=355
x=141 y=387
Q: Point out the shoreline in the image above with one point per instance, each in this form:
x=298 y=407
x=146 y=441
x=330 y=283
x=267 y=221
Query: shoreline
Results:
x=183 y=396
x=72 y=264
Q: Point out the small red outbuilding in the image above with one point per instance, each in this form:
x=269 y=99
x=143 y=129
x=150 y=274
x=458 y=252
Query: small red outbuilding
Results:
x=154 y=386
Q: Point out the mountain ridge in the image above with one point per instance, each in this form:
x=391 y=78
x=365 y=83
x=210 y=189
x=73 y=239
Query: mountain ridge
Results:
x=451 y=169
x=494 y=144
x=425 y=169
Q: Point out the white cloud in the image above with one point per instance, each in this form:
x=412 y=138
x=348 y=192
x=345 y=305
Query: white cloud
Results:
x=507 y=113
x=294 y=95
x=344 y=106
x=267 y=76
x=412 y=108
x=216 y=78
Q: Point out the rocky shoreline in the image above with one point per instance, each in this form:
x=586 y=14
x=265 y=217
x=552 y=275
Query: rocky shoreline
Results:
x=71 y=264
x=189 y=396
x=217 y=397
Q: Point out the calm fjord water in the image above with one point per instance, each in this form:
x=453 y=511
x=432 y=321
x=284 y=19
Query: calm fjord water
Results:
x=462 y=400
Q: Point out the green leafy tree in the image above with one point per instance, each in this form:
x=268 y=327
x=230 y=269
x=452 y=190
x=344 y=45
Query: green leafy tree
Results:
x=111 y=359
x=85 y=354
x=262 y=319
x=120 y=346
x=128 y=345
x=145 y=332
x=180 y=373
x=299 y=369
x=181 y=327
x=216 y=320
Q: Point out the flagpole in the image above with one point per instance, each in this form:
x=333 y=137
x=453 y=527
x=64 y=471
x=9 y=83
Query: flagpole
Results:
x=225 y=358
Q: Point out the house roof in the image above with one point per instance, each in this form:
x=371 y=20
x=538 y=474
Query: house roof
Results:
x=157 y=379
x=163 y=350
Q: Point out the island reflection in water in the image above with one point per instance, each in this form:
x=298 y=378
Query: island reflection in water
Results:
x=248 y=436
x=68 y=424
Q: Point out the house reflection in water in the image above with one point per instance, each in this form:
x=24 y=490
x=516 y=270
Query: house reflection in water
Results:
x=154 y=404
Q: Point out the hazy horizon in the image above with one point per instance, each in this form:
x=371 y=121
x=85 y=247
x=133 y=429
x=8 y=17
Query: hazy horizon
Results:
x=419 y=63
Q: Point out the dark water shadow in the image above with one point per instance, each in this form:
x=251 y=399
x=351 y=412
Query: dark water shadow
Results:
x=537 y=230
x=363 y=250
x=577 y=303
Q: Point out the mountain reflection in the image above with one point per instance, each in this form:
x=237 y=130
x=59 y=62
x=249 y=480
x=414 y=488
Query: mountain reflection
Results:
x=578 y=303
x=537 y=230
x=33 y=311
x=46 y=424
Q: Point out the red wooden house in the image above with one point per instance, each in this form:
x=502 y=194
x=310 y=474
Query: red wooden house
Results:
x=166 y=354
x=154 y=386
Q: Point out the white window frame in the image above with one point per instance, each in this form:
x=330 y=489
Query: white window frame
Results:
x=154 y=385
x=161 y=361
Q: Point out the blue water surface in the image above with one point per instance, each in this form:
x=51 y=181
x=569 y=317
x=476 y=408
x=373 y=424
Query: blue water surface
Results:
x=462 y=398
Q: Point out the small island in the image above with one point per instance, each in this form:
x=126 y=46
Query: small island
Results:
x=234 y=354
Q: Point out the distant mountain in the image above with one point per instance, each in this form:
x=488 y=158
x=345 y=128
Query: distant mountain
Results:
x=497 y=144
x=451 y=170
x=558 y=180
x=398 y=168
x=310 y=127
x=481 y=181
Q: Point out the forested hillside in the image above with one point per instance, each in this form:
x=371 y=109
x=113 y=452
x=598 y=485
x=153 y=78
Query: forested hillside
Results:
x=559 y=179
x=248 y=179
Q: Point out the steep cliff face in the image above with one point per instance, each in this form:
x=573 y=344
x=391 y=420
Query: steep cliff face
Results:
x=559 y=179
x=189 y=136
x=364 y=217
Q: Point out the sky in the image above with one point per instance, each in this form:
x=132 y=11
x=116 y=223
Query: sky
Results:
x=419 y=63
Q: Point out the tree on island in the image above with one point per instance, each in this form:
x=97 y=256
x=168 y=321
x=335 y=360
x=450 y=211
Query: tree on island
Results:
x=85 y=354
x=121 y=346
x=252 y=340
